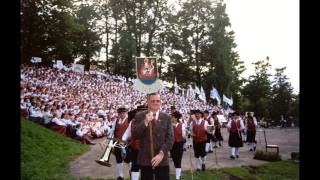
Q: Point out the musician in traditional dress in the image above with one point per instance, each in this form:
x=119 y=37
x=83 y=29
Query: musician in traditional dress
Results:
x=251 y=132
x=179 y=131
x=119 y=127
x=199 y=129
x=235 y=126
x=134 y=144
x=211 y=138
x=217 y=128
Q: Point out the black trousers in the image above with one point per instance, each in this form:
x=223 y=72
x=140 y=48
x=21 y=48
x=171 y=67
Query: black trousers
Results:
x=118 y=154
x=160 y=172
x=199 y=149
x=176 y=154
x=133 y=157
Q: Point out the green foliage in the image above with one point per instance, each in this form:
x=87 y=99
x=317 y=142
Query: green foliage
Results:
x=282 y=95
x=46 y=154
x=267 y=156
x=88 y=41
x=258 y=89
x=192 y=43
x=220 y=51
x=272 y=170
x=240 y=173
x=57 y=30
x=181 y=71
x=194 y=20
x=294 y=109
x=281 y=170
x=126 y=62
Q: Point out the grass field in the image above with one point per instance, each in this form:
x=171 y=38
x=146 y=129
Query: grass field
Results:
x=46 y=155
x=283 y=170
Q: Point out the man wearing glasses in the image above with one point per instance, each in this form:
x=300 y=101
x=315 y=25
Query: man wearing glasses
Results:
x=157 y=166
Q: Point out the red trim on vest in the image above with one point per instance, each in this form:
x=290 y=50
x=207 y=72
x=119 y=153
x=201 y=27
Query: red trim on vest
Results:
x=199 y=131
x=235 y=126
x=121 y=128
x=251 y=126
x=178 y=133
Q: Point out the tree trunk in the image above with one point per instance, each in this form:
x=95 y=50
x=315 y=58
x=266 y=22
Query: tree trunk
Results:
x=107 y=47
x=116 y=64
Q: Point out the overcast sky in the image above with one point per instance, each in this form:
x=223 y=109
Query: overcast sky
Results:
x=267 y=28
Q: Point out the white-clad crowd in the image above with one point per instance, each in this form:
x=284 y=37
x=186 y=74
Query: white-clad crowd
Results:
x=86 y=105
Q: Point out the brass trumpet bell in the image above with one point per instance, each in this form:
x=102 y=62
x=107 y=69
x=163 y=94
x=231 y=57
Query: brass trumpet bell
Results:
x=103 y=163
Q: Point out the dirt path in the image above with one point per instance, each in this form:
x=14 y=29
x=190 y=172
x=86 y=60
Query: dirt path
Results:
x=287 y=139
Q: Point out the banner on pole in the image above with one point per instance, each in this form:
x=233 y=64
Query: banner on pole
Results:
x=147 y=75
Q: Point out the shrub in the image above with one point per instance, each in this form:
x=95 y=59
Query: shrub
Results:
x=266 y=156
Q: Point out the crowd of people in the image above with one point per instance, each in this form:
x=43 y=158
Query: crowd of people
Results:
x=84 y=106
x=61 y=98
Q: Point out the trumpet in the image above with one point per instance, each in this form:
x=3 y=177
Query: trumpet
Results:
x=113 y=142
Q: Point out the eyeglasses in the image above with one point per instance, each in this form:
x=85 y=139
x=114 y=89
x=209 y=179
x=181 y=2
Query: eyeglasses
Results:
x=155 y=101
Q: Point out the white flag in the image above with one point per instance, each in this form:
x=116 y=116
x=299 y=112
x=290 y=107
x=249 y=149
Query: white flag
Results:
x=59 y=64
x=215 y=95
x=176 y=91
x=227 y=100
x=197 y=90
x=202 y=95
x=191 y=91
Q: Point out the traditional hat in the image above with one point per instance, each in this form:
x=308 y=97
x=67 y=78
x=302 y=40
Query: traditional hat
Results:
x=235 y=113
x=198 y=111
x=122 y=109
x=176 y=115
x=214 y=113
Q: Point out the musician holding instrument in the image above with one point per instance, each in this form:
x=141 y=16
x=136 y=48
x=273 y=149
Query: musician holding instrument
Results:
x=154 y=130
x=235 y=126
x=134 y=144
x=120 y=126
x=210 y=136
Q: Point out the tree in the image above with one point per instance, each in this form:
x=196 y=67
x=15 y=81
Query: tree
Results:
x=220 y=52
x=221 y=59
x=104 y=11
x=294 y=110
x=32 y=30
x=47 y=29
x=88 y=40
x=237 y=68
x=258 y=89
x=282 y=95
x=126 y=50
x=194 y=21
x=181 y=71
